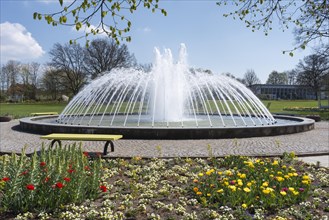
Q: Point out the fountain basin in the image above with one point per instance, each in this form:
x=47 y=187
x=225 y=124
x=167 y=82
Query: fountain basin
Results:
x=284 y=125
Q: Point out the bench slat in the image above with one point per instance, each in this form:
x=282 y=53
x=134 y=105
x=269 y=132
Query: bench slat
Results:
x=82 y=137
x=43 y=113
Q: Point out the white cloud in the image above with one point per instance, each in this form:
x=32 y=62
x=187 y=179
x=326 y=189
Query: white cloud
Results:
x=17 y=43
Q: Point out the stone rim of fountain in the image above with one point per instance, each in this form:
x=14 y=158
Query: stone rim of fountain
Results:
x=39 y=126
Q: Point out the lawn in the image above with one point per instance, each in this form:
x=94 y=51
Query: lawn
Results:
x=18 y=110
x=278 y=106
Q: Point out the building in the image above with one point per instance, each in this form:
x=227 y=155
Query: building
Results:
x=269 y=91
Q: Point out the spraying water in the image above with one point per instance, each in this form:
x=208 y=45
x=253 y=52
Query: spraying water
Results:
x=170 y=95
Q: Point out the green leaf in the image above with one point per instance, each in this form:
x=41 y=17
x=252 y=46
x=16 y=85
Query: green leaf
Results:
x=291 y=54
x=61 y=2
x=35 y=15
x=104 y=13
x=78 y=25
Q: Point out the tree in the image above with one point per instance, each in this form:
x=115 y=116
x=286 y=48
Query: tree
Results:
x=105 y=55
x=312 y=71
x=9 y=77
x=68 y=60
x=310 y=18
x=250 y=78
x=277 y=78
x=29 y=74
x=51 y=83
x=291 y=77
x=111 y=14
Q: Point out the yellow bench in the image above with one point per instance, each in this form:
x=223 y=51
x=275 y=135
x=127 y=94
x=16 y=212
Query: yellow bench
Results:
x=84 y=137
x=43 y=113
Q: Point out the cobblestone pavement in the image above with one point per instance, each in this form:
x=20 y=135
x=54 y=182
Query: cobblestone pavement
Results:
x=306 y=143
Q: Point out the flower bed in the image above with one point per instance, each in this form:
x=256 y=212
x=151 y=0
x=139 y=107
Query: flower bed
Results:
x=183 y=188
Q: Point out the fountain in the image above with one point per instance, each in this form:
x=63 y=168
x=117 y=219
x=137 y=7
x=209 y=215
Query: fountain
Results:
x=171 y=101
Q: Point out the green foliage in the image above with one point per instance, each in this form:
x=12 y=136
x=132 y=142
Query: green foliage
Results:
x=112 y=16
x=251 y=184
x=48 y=180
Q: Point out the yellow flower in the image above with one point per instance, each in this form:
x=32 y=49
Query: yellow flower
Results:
x=279 y=173
x=305 y=177
x=246 y=189
x=265 y=184
x=266 y=170
x=220 y=173
x=220 y=190
x=200 y=174
x=291 y=189
x=249 y=184
x=233 y=188
x=295 y=174
x=208 y=194
x=283 y=193
x=290 y=174
x=199 y=193
x=209 y=172
x=306 y=182
x=226 y=183
x=284 y=167
x=286 y=176
x=243 y=176
x=271 y=175
x=244 y=205
x=295 y=193
x=275 y=163
x=279 y=178
x=267 y=190
x=228 y=173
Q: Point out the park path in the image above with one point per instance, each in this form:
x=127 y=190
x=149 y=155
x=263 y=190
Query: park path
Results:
x=306 y=143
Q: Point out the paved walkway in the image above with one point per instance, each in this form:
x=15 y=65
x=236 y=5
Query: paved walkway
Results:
x=314 y=142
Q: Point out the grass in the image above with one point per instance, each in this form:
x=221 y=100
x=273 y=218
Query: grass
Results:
x=156 y=188
x=19 y=110
x=278 y=106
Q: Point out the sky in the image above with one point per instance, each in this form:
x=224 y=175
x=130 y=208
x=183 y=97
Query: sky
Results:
x=213 y=42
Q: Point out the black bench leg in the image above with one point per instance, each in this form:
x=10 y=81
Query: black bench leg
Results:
x=54 y=141
x=106 y=146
